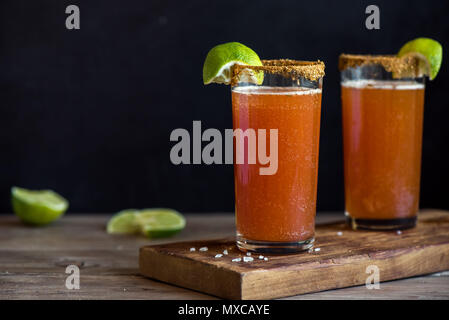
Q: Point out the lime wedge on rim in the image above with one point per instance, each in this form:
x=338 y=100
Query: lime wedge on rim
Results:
x=161 y=222
x=430 y=53
x=123 y=222
x=37 y=207
x=221 y=58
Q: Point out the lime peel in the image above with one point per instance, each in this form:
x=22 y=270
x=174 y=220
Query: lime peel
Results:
x=221 y=58
x=38 y=207
x=123 y=222
x=160 y=222
x=224 y=74
x=152 y=223
x=429 y=52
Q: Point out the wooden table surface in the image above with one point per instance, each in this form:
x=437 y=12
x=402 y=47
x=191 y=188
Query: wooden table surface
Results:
x=33 y=263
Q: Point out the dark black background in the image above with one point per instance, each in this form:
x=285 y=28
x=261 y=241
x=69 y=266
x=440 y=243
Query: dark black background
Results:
x=89 y=112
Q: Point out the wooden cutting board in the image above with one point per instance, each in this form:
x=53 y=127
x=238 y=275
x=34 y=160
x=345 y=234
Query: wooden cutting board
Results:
x=341 y=261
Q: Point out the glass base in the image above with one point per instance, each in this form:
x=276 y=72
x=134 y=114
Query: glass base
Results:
x=380 y=224
x=268 y=247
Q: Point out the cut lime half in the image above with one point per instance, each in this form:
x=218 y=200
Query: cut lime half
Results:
x=123 y=222
x=430 y=53
x=159 y=223
x=37 y=207
x=220 y=59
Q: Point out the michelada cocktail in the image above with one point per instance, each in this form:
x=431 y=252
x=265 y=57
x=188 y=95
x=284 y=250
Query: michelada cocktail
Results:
x=275 y=206
x=382 y=111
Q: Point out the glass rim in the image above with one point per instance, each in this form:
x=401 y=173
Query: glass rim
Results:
x=294 y=69
x=407 y=66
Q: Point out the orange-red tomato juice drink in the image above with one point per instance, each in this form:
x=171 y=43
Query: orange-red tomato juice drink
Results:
x=382 y=138
x=275 y=213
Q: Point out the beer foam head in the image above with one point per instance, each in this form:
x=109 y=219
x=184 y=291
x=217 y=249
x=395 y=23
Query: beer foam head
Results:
x=379 y=84
x=275 y=90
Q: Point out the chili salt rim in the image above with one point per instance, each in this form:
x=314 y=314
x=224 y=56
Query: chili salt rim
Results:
x=407 y=66
x=294 y=69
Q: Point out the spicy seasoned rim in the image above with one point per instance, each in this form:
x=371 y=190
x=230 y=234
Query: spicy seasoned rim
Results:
x=294 y=69
x=407 y=66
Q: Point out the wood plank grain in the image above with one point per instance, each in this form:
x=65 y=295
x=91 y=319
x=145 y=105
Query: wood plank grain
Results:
x=33 y=262
x=341 y=261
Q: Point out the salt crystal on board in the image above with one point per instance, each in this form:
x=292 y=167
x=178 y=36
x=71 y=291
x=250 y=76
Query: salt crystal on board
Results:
x=225 y=252
x=317 y=249
x=265 y=259
x=339 y=233
x=218 y=255
x=261 y=257
x=203 y=249
x=247 y=259
x=399 y=232
x=237 y=260
x=192 y=249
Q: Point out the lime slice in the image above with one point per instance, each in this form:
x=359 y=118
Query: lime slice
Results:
x=37 y=207
x=220 y=59
x=159 y=223
x=123 y=222
x=429 y=51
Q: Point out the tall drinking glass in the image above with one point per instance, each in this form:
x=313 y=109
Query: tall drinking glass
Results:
x=382 y=106
x=275 y=203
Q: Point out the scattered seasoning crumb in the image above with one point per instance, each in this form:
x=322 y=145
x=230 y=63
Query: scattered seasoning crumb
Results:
x=339 y=233
x=265 y=259
x=261 y=257
x=317 y=249
x=124 y=289
x=218 y=255
x=287 y=68
x=399 y=232
x=203 y=249
x=247 y=259
x=192 y=249
x=237 y=260
x=225 y=252
x=248 y=254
